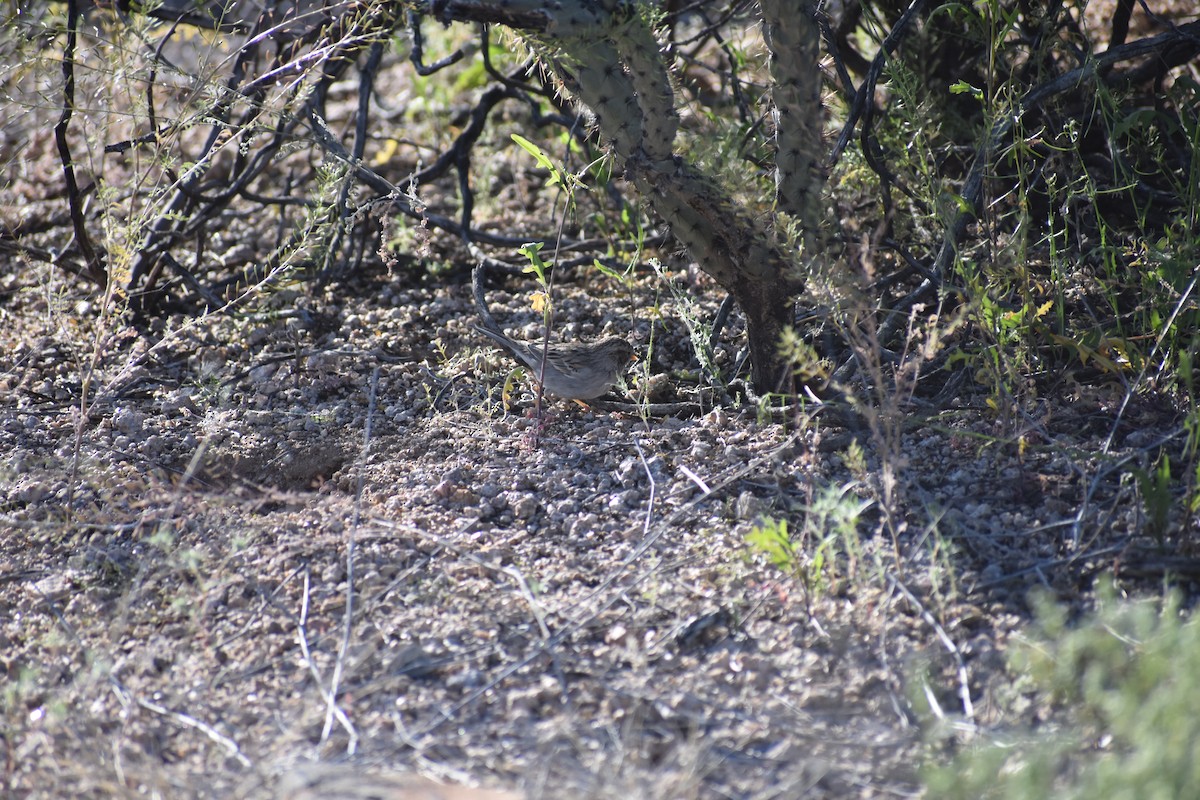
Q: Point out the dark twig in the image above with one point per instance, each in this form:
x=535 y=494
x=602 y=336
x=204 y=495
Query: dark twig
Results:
x=481 y=297
x=835 y=52
x=1120 y=22
x=418 y=50
x=722 y=317
x=365 y=87
x=95 y=268
x=866 y=91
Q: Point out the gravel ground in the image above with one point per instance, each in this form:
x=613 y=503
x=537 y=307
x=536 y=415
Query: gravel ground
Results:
x=307 y=549
x=318 y=536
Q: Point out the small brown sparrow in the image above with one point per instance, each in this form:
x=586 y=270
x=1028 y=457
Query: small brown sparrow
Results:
x=574 y=370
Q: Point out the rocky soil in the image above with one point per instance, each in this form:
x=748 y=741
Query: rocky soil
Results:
x=317 y=535
x=325 y=546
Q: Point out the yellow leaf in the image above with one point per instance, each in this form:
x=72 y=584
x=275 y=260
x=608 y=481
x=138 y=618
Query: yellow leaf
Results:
x=385 y=154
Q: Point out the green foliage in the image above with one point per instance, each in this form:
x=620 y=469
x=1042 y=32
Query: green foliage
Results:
x=805 y=361
x=694 y=319
x=537 y=266
x=558 y=177
x=541 y=271
x=543 y=300
x=770 y=538
x=1125 y=681
x=1155 y=488
x=825 y=549
x=629 y=227
x=1079 y=266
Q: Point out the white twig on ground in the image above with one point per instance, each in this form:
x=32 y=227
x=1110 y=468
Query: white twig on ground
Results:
x=653 y=486
x=332 y=709
x=188 y=721
x=964 y=687
x=302 y=639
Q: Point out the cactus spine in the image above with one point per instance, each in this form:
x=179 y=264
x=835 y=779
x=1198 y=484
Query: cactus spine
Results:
x=601 y=85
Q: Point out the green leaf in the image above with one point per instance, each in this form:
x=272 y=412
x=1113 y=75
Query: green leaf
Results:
x=537 y=266
x=771 y=539
x=962 y=87
x=541 y=157
x=607 y=270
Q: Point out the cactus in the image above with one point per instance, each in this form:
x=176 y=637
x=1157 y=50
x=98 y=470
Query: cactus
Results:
x=601 y=85
x=794 y=38
x=725 y=240
x=643 y=58
x=610 y=60
x=735 y=250
x=606 y=55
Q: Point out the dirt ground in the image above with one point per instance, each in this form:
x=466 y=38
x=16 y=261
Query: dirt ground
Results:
x=304 y=550
x=270 y=545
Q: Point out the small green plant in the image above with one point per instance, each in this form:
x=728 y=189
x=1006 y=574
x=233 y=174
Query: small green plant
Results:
x=543 y=301
x=1123 y=683
x=807 y=365
x=826 y=549
x=855 y=459
x=629 y=226
x=693 y=318
x=163 y=538
x=770 y=537
x=539 y=269
x=806 y=565
x=1155 y=488
x=558 y=177
x=1191 y=426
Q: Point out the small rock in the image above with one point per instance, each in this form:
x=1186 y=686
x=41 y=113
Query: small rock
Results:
x=583 y=525
x=525 y=507
x=127 y=420
x=748 y=507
